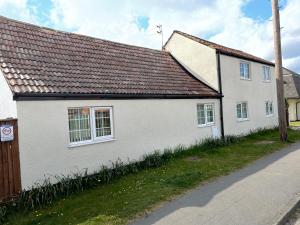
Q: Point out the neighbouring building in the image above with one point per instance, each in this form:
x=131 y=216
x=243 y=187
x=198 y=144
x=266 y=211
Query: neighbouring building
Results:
x=247 y=82
x=83 y=102
x=292 y=94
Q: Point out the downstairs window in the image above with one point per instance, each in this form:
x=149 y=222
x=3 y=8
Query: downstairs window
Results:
x=205 y=114
x=90 y=124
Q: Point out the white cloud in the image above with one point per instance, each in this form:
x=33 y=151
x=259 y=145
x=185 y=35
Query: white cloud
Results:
x=115 y=20
x=256 y=36
x=222 y=21
x=17 y=9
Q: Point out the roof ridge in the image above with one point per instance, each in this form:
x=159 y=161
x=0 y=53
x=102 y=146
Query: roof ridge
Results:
x=76 y=34
x=218 y=46
x=210 y=42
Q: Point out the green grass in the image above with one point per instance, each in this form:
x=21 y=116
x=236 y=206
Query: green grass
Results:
x=295 y=124
x=127 y=197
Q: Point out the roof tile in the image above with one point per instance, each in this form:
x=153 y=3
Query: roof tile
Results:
x=40 y=60
x=225 y=50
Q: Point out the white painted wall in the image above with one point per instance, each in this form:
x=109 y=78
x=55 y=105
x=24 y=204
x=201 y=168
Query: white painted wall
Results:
x=141 y=126
x=254 y=91
x=8 y=106
x=202 y=62
x=292 y=109
x=198 y=59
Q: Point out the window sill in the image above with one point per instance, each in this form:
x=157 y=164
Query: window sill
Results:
x=271 y=115
x=242 y=120
x=206 y=125
x=74 y=145
x=247 y=79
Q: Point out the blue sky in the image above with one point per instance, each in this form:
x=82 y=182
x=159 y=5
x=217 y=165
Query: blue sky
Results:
x=258 y=9
x=242 y=24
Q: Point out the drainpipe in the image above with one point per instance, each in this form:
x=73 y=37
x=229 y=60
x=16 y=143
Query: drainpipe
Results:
x=221 y=92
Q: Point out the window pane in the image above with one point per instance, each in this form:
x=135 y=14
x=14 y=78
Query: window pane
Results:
x=201 y=114
x=242 y=69
x=246 y=70
x=270 y=108
x=102 y=122
x=210 y=113
x=266 y=71
x=244 y=111
x=239 y=111
x=79 y=124
x=267 y=108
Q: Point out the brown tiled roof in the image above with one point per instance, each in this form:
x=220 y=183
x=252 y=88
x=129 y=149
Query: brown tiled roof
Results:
x=225 y=50
x=38 y=61
x=291 y=84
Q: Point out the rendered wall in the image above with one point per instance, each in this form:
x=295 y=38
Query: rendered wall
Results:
x=141 y=126
x=198 y=59
x=292 y=109
x=8 y=106
x=255 y=91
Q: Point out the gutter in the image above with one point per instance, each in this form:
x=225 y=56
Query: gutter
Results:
x=220 y=92
x=66 y=96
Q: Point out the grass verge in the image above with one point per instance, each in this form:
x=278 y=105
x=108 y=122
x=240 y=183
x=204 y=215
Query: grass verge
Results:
x=125 y=198
x=295 y=124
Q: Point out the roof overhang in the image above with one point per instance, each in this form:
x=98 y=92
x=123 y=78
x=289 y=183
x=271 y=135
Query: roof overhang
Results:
x=245 y=58
x=65 y=96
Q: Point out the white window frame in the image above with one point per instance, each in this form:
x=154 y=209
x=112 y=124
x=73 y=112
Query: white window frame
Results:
x=106 y=137
x=242 y=77
x=205 y=114
x=247 y=107
x=264 y=69
x=267 y=108
x=94 y=139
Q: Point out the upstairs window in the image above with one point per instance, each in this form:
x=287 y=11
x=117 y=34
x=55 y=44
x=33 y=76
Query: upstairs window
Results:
x=269 y=108
x=205 y=114
x=245 y=70
x=242 y=111
x=266 y=73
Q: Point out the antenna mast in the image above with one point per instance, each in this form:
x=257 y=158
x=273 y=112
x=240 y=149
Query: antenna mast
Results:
x=160 y=32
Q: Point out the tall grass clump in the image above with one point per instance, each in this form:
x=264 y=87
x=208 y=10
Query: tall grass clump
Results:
x=45 y=193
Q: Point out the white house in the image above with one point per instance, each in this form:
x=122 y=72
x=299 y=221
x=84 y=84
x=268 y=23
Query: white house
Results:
x=246 y=81
x=83 y=102
x=292 y=94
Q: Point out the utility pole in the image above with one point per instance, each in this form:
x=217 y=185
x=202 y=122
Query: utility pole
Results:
x=278 y=72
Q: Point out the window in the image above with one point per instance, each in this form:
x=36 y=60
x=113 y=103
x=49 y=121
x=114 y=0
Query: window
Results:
x=79 y=125
x=205 y=114
x=242 y=111
x=245 y=70
x=266 y=73
x=102 y=118
x=269 y=108
x=90 y=124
